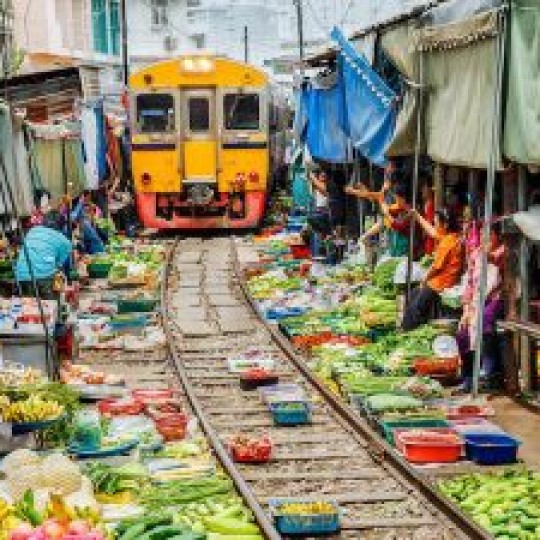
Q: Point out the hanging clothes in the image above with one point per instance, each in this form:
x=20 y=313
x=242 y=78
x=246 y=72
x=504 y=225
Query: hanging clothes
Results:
x=16 y=172
x=52 y=148
x=89 y=135
x=113 y=147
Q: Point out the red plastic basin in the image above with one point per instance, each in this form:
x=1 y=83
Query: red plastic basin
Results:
x=120 y=407
x=300 y=251
x=418 y=450
x=149 y=397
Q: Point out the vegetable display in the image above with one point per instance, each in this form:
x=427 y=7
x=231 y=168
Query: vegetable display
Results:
x=506 y=503
x=383 y=276
x=33 y=409
x=111 y=480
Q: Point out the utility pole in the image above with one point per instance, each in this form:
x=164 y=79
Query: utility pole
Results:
x=125 y=58
x=246 y=45
x=300 y=24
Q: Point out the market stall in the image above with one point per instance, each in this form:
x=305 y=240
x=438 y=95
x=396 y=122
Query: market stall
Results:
x=343 y=320
x=124 y=458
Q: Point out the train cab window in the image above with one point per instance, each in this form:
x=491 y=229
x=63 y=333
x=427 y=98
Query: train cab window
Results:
x=155 y=113
x=241 y=112
x=199 y=114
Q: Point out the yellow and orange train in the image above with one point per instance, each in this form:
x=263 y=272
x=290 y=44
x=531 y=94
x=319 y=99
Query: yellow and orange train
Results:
x=206 y=134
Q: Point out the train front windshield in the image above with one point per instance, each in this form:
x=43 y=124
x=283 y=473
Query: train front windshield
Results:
x=241 y=112
x=155 y=113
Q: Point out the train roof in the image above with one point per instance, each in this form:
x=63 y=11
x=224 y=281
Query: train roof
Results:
x=198 y=70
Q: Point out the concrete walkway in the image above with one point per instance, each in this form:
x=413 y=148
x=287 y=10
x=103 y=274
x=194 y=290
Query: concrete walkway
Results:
x=522 y=423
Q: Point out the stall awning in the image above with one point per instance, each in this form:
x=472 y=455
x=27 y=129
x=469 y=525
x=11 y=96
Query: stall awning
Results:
x=396 y=44
x=369 y=104
x=322 y=118
x=522 y=124
x=459 y=59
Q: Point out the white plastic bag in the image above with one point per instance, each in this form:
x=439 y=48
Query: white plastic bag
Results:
x=529 y=222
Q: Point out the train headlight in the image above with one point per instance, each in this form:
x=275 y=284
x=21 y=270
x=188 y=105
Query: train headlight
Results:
x=197 y=65
x=253 y=177
x=146 y=179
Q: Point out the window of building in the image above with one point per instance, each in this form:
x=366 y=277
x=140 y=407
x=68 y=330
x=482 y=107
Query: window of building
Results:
x=155 y=113
x=114 y=27
x=99 y=26
x=193 y=3
x=199 y=114
x=160 y=13
x=199 y=41
x=241 y=111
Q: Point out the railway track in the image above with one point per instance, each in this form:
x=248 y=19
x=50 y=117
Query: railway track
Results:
x=207 y=317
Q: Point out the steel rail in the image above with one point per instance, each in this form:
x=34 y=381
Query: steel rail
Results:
x=241 y=485
x=381 y=449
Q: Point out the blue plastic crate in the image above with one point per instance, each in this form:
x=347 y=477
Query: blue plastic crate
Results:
x=491 y=448
x=135 y=321
x=302 y=525
x=278 y=313
x=291 y=417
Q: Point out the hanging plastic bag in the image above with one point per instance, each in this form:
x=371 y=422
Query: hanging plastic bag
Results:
x=529 y=222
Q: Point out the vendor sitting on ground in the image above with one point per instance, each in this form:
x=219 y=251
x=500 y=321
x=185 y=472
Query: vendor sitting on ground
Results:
x=48 y=251
x=443 y=273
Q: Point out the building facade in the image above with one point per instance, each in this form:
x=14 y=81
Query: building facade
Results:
x=266 y=29
x=157 y=29
x=85 y=33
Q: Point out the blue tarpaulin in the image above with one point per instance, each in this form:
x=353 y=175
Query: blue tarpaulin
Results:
x=370 y=112
x=357 y=109
x=325 y=112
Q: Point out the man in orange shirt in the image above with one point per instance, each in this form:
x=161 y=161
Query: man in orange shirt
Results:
x=443 y=273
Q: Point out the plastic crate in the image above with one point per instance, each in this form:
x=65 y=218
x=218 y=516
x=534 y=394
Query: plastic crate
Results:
x=279 y=313
x=436 y=366
x=420 y=451
x=242 y=364
x=256 y=377
x=307 y=524
x=388 y=428
x=240 y=455
x=300 y=251
x=138 y=321
x=136 y=306
x=282 y=392
x=491 y=448
x=475 y=426
x=284 y=415
x=99 y=270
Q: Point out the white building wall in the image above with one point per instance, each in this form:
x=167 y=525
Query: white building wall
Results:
x=57 y=27
x=63 y=28
x=148 y=42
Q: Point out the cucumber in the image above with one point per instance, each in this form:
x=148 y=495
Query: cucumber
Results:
x=163 y=532
x=189 y=536
x=134 y=532
x=148 y=522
